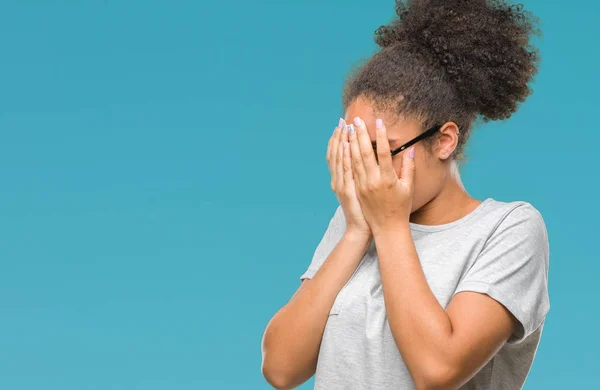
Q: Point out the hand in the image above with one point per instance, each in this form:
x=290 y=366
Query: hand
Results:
x=342 y=181
x=385 y=198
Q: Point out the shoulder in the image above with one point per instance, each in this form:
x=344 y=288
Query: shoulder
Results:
x=517 y=216
x=518 y=225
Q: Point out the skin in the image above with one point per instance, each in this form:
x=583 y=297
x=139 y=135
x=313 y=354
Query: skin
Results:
x=442 y=348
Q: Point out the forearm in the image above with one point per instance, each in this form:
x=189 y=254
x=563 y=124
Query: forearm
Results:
x=293 y=336
x=333 y=275
x=420 y=325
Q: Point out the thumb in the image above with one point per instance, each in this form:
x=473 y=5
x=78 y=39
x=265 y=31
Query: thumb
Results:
x=408 y=167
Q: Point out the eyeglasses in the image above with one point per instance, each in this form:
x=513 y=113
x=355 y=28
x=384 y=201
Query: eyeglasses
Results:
x=426 y=134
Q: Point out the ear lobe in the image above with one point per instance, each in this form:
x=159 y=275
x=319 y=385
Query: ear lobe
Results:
x=448 y=140
x=447 y=152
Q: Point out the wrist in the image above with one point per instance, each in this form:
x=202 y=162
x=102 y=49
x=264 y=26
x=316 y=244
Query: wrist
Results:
x=358 y=235
x=359 y=241
x=400 y=227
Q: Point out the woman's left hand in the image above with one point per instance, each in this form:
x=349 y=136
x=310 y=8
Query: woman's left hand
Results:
x=385 y=198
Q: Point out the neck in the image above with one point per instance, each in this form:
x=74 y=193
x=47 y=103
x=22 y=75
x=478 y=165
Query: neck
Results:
x=450 y=204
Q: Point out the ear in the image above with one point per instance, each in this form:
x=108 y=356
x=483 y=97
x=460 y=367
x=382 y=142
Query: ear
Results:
x=447 y=141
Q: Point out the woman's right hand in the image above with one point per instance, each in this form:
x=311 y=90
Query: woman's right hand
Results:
x=342 y=181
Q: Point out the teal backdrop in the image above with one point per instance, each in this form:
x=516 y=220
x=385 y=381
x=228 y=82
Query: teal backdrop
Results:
x=164 y=184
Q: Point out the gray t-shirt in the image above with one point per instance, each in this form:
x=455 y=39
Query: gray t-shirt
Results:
x=499 y=249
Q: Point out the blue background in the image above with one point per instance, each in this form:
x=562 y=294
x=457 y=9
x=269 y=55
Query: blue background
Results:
x=164 y=185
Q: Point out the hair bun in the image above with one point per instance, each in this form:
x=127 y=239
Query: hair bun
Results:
x=483 y=46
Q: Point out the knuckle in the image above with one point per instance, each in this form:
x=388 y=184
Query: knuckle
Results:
x=371 y=186
x=362 y=188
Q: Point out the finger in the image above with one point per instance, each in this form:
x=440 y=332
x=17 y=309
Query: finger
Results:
x=360 y=175
x=347 y=164
x=344 y=135
x=339 y=169
x=332 y=147
x=345 y=140
x=366 y=148
x=329 y=155
x=407 y=175
x=384 y=154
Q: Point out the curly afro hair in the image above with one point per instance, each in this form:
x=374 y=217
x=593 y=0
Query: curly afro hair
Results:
x=450 y=60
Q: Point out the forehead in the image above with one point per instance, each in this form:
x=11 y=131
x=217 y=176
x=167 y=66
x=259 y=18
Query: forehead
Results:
x=397 y=127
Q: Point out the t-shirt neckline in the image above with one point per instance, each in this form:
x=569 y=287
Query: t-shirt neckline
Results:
x=445 y=226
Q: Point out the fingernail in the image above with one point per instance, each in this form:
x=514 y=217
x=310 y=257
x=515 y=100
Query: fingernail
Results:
x=350 y=128
x=411 y=152
x=379 y=124
x=357 y=121
x=341 y=123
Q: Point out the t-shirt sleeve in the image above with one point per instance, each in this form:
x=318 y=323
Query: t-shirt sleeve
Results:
x=512 y=268
x=331 y=237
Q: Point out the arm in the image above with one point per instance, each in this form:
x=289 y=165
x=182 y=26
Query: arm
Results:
x=292 y=338
x=442 y=349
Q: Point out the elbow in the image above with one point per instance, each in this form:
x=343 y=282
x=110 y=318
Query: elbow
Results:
x=276 y=377
x=437 y=377
x=285 y=362
x=273 y=368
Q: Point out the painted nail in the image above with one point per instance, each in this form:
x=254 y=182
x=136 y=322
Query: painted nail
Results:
x=341 y=123
x=411 y=152
x=350 y=128
x=379 y=124
x=357 y=121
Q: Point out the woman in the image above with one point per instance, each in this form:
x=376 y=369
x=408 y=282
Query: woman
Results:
x=415 y=284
